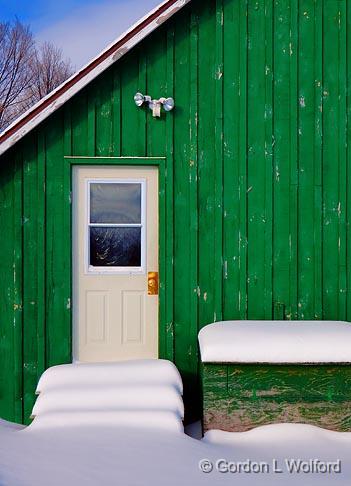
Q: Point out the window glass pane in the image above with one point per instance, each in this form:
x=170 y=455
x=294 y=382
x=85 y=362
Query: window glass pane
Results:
x=115 y=247
x=115 y=203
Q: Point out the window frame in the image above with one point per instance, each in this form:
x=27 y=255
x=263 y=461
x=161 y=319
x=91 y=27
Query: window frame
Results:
x=111 y=270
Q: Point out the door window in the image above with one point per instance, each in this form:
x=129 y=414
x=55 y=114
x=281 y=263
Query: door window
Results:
x=116 y=226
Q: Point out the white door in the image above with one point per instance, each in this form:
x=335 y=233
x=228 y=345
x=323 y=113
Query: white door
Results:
x=115 y=263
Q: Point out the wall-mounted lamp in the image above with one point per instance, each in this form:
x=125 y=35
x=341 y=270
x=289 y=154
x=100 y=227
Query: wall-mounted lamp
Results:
x=154 y=105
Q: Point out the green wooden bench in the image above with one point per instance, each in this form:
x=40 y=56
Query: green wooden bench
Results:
x=262 y=372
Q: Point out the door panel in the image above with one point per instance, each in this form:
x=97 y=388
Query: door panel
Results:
x=115 y=245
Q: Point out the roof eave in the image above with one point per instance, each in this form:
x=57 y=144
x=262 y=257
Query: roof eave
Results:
x=54 y=100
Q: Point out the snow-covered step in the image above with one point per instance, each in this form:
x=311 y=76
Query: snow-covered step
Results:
x=110 y=398
x=159 y=420
x=145 y=393
x=144 y=371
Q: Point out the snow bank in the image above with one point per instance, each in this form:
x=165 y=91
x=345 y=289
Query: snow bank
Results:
x=141 y=419
x=151 y=372
x=110 y=398
x=276 y=342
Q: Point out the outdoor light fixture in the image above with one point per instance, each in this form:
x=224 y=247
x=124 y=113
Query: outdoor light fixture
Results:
x=154 y=105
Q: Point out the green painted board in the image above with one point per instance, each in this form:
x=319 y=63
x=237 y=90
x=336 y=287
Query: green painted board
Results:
x=240 y=397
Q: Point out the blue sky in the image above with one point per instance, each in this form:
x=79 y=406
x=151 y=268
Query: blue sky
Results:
x=81 y=28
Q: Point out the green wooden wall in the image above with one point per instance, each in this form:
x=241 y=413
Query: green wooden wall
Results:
x=257 y=174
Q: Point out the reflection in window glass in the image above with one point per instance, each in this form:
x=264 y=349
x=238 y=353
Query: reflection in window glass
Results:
x=115 y=247
x=115 y=203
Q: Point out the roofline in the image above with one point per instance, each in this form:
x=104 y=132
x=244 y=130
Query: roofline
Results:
x=54 y=100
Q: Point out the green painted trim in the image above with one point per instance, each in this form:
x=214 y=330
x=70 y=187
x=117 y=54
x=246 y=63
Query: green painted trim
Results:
x=159 y=162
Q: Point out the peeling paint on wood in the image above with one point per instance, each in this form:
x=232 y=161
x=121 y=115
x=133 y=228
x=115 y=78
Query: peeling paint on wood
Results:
x=238 y=398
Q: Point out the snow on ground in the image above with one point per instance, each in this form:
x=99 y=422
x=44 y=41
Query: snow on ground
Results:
x=276 y=342
x=6 y=426
x=124 y=456
x=194 y=430
x=122 y=431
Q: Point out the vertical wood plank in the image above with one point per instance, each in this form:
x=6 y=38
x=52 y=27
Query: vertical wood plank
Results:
x=206 y=168
x=104 y=144
x=193 y=196
x=243 y=162
x=182 y=295
x=154 y=69
x=268 y=160
x=348 y=157
x=218 y=275
x=11 y=297
x=133 y=79
x=58 y=248
x=259 y=161
x=234 y=160
x=79 y=123
x=291 y=312
x=331 y=162
x=281 y=150
x=18 y=289
x=185 y=202
x=167 y=321
x=318 y=143
x=155 y=60
x=116 y=112
x=91 y=121
x=33 y=268
x=342 y=143
x=306 y=126
x=231 y=176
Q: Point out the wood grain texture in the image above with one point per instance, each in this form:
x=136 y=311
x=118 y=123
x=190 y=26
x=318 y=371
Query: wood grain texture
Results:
x=238 y=398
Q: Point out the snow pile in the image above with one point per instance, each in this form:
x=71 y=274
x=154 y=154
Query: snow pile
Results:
x=110 y=394
x=276 y=342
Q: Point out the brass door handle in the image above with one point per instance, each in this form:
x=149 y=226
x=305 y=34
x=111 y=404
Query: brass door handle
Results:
x=152 y=283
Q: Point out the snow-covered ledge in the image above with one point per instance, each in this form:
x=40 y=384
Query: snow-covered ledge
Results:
x=276 y=342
